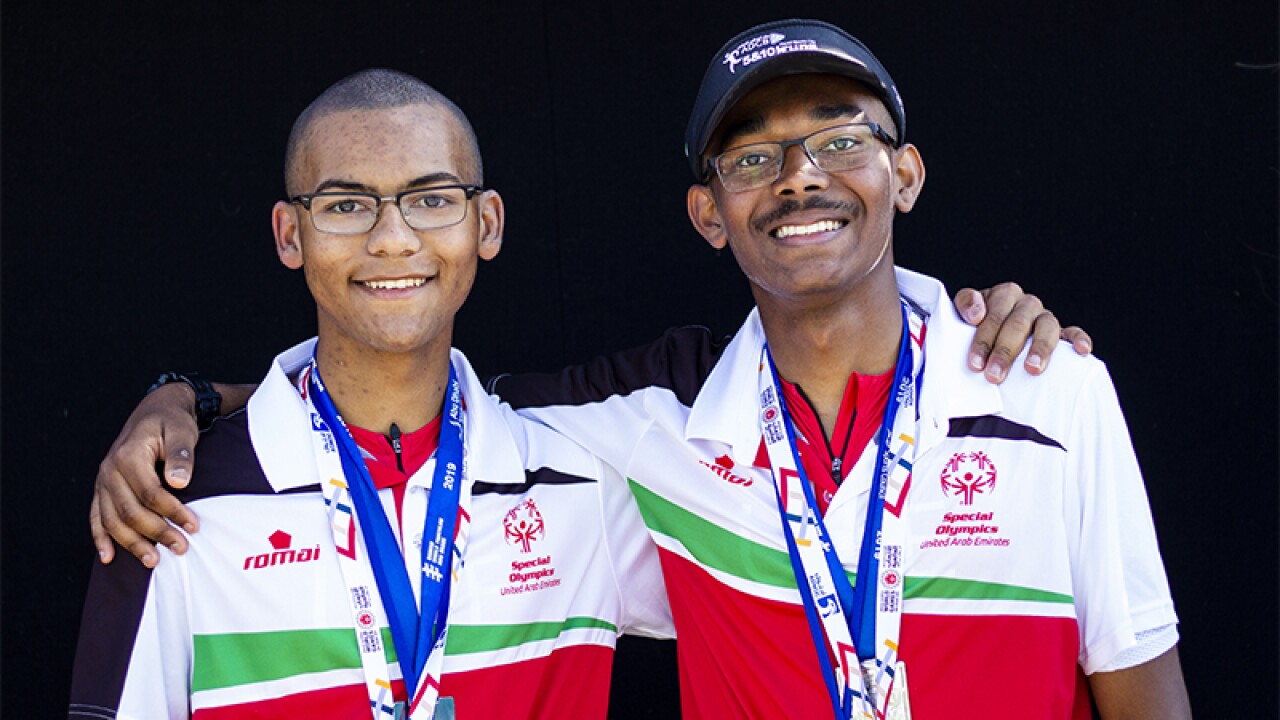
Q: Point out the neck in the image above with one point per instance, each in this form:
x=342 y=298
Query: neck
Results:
x=819 y=345
x=373 y=389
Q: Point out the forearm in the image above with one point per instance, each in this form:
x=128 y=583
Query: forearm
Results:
x=1154 y=689
x=234 y=397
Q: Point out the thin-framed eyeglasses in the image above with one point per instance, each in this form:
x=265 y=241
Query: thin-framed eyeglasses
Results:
x=354 y=213
x=833 y=149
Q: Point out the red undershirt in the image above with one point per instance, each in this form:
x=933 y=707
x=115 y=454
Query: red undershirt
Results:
x=385 y=468
x=861 y=413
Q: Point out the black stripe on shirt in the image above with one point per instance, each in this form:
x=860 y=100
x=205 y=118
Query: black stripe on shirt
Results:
x=541 y=476
x=992 y=426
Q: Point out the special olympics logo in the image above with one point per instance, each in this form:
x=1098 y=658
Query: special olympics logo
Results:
x=968 y=474
x=365 y=619
x=523 y=525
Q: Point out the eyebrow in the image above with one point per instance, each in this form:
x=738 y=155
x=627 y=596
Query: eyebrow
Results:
x=438 y=178
x=746 y=127
x=757 y=124
x=835 y=112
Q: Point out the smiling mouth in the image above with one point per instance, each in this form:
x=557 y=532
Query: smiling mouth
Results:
x=787 y=231
x=401 y=284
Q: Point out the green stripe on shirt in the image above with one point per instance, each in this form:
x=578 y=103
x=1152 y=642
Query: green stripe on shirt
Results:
x=956 y=589
x=236 y=659
x=712 y=545
x=465 y=639
x=722 y=550
x=243 y=658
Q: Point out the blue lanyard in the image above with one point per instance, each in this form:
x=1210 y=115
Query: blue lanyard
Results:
x=856 y=601
x=413 y=637
x=863 y=626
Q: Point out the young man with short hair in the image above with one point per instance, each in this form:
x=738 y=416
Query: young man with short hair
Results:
x=378 y=532
x=850 y=523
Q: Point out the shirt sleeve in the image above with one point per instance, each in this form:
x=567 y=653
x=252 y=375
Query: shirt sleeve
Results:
x=133 y=659
x=634 y=557
x=1120 y=586
x=601 y=404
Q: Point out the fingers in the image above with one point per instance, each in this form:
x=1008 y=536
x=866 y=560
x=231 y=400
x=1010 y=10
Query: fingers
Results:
x=1044 y=339
x=971 y=306
x=122 y=532
x=130 y=504
x=137 y=519
x=990 y=351
x=101 y=540
x=1011 y=317
x=1011 y=328
x=134 y=513
x=1079 y=339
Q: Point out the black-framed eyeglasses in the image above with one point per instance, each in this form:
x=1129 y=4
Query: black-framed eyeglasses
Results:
x=833 y=149
x=354 y=213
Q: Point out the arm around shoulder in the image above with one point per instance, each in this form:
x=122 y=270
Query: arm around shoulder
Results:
x=131 y=503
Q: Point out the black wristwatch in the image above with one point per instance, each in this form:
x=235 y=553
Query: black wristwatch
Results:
x=208 y=401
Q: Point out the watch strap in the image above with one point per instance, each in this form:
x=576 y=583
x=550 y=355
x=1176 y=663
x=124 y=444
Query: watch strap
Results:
x=208 y=400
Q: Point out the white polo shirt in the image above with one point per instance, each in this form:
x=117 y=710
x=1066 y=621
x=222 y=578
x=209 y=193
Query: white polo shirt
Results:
x=253 y=620
x=1031 y=556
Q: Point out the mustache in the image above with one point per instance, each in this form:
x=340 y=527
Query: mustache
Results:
x=791 y=206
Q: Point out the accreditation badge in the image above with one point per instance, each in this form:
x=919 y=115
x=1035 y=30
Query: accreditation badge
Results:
x=899 y=701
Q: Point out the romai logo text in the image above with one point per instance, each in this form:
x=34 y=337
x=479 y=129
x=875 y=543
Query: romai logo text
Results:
x=281 y=553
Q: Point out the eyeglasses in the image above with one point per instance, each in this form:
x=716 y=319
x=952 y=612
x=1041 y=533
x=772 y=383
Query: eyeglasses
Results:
x=352 y=213
x=833 y=149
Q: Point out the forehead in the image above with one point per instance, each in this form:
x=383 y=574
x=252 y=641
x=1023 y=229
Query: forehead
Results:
x=794 y=102
x=382 y=148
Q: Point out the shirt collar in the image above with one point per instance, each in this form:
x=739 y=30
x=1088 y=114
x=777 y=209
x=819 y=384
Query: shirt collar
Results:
x=726 y=408
x=950 y=388
x=280 y=428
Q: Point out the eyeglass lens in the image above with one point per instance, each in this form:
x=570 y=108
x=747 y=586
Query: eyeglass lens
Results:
x=354 y=213
x=834 y=149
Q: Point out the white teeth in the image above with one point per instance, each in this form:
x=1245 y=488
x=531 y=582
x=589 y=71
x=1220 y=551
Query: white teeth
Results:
x=787 y=231
x=396 y=284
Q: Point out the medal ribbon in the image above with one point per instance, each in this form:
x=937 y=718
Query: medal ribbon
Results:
x=418 y=630
x=851 y=623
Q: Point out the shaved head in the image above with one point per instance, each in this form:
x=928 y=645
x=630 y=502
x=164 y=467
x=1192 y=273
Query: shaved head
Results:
x=377 y=89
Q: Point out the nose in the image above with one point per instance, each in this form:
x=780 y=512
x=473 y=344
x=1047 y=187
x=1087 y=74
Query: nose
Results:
x=391 y=234
x=799 y=174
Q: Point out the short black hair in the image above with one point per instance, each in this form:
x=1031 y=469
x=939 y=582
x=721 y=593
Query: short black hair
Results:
x=377 y=89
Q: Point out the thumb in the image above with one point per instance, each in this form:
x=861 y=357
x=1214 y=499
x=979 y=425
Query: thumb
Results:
x=179 y=459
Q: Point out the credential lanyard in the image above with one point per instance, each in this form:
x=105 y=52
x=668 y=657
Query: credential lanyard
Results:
x=847 y=623
x=416 y=630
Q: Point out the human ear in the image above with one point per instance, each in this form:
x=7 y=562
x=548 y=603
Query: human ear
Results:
x=284 y=225
x=492 y=220
x=909 y=177
x=704 y=213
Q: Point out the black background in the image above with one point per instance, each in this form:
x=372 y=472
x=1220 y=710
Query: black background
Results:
x=1117 y=158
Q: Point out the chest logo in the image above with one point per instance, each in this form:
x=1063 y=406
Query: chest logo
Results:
x=523 y=525
x=968 y=474
x=282 y=553
x=722 y=467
